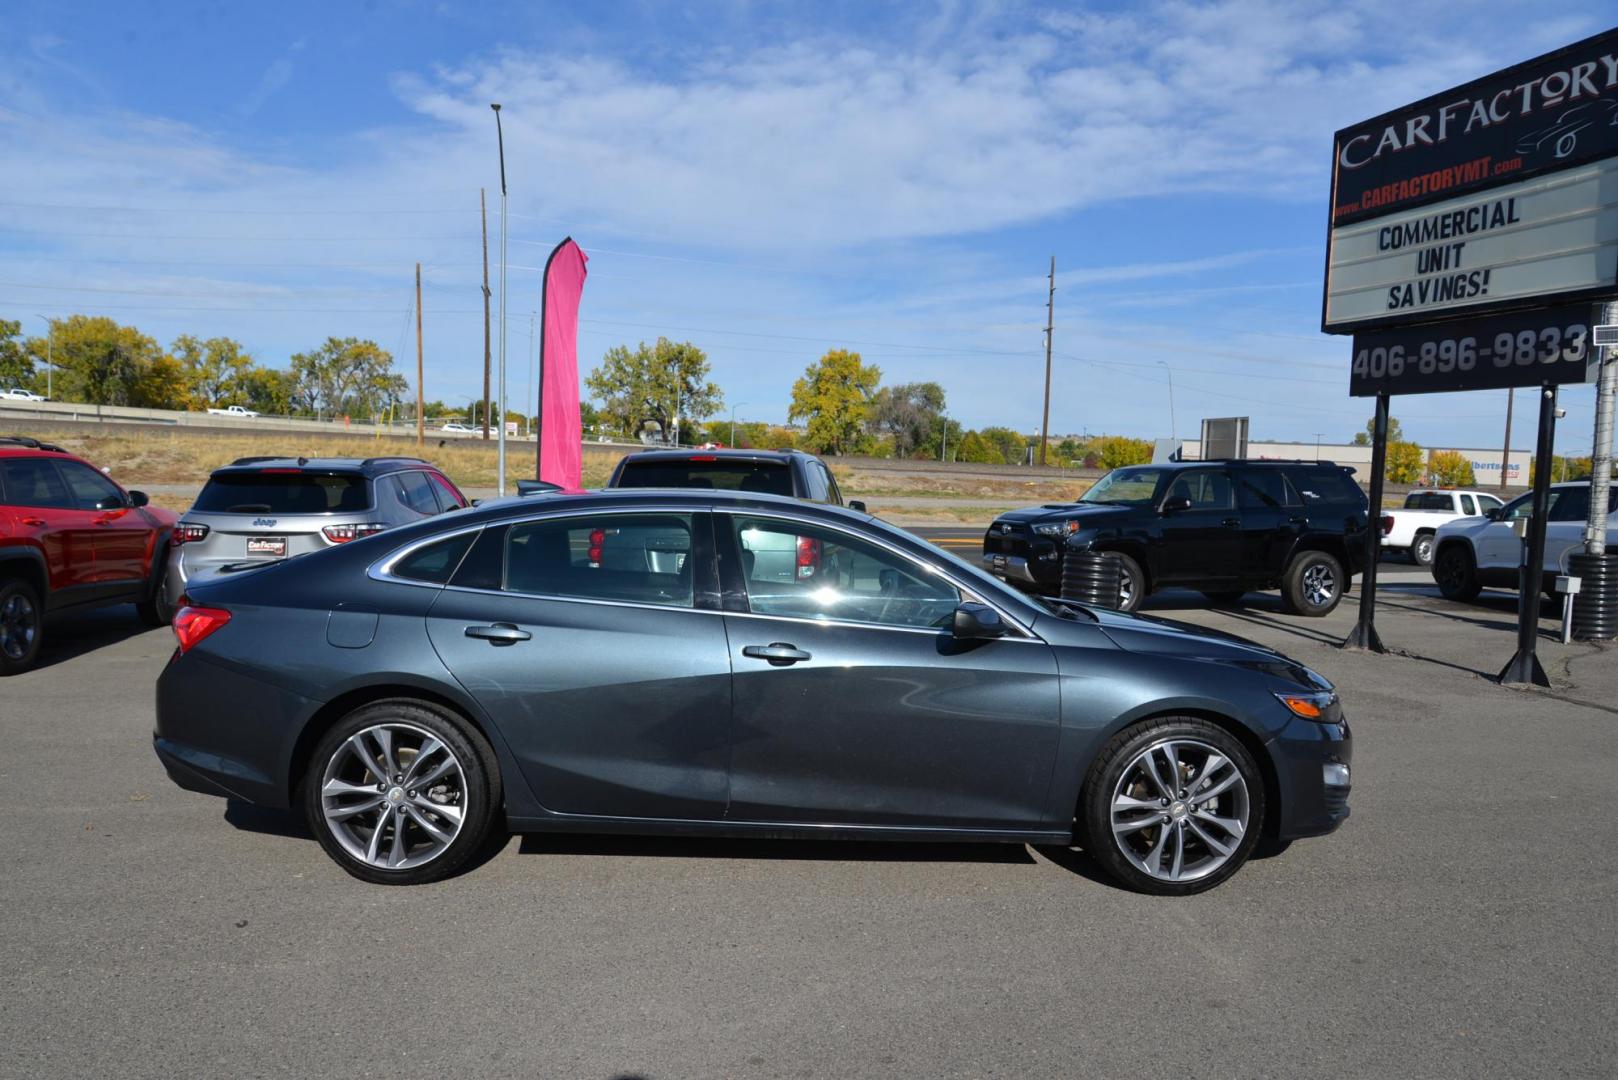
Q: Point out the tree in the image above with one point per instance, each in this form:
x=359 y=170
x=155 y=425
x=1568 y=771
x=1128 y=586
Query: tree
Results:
x=98 y=361
x=1404 y=465
x=1395 y=432
x=976 y=449
x=941 y=442
x=348 y=377
x=214 y=368
x=654 y=384
x=1069 y=450
x=907 y=414
x=16 y=366
x=1116 y=451
x=834 y=397
x=1012 y=445
x=267 y=390
x=161 y=384
x=1451 y=468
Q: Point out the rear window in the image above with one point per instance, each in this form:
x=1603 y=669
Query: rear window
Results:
x=1326 y=485
x=764 y=477
x=1429 y=500
x=283 y=493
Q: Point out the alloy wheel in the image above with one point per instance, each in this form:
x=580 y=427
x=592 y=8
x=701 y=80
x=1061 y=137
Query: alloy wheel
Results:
x=1126 y=587
x=1423 y=550
x=393 y=796
x=19 y=624
x=1319 y=584
x=1180 y=810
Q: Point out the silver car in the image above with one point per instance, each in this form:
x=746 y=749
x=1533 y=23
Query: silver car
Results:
x=262 y=509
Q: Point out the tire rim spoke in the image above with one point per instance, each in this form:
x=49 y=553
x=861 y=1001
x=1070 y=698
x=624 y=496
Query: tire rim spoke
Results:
x=386 y=824
x=1173 y=838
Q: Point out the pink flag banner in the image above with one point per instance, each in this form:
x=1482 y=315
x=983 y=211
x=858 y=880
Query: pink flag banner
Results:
x=560 y=437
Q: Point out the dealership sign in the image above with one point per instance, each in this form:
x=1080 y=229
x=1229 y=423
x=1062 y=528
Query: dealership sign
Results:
x=1497 y=195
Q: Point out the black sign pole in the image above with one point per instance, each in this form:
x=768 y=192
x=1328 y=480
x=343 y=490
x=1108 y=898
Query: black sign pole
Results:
x=1364 y=635
x=1524 y=667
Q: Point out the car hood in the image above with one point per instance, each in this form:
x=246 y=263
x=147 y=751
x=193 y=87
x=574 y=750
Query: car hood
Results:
x=1085 y=513
x=1165 y=637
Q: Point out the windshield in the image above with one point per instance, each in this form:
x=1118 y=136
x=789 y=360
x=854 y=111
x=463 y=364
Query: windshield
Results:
x=724 y=474
x=1125 y=487
x=275 y=492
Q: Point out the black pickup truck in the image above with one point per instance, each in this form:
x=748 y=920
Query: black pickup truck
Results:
x=1221 y=527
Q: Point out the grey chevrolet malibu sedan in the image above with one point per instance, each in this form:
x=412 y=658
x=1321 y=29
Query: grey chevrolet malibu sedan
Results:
x=617 y=662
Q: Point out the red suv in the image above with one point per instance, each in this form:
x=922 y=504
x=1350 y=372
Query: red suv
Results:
x=71 y=539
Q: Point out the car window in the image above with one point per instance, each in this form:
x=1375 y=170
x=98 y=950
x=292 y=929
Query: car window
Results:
x=708 y=471
x=449 y=497
x=29 y=481
x=418 y=492
x=1469 y=507
x=435 y=562
x=91 y=490
x=804 y=571
x=1520 y=507
x=1264 y=489
x=835 y=495
x=1326 y=485
x=631 y=558
x=1429 y=500
x=1569 y=504
x=283 y=491
x=814 y=475
x=1207 y=489
x=1488 y=502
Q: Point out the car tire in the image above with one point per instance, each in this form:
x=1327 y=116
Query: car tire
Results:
x=22 y=626
x=156 y=610
x=1131 y=582
x=1136 y=823
x=1313 y=584
x=358 y=820
x=1224 y=597
x=1457 y=574
x=1421 y=552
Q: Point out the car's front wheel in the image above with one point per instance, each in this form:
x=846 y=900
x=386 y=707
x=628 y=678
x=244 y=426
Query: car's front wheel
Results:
x=1131 y=582
x=402 y=792
x=1172 y=806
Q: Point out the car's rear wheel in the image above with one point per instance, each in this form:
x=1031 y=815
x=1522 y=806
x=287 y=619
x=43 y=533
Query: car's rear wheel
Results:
x=156 y=610
x=1422 y=550
x=402 y=792
x=1172 y=806
x=1456 y=575
x=21 y=626
x=1313 y=584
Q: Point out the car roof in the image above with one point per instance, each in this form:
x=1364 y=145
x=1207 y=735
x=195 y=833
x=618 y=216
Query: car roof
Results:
x=679 y=498
x=689 y=452
x=368 y=467
x=23 y=446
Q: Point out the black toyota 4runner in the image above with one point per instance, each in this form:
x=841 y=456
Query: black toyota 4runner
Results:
x=1221 y=527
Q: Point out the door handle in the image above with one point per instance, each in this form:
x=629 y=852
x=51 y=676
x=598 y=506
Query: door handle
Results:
x=34 y=522
x=499 y=633
x=776 y=652
x=1232 y=523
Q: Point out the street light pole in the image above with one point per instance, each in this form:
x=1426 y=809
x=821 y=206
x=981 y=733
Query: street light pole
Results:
x=50 y=336
x=733 y=409
x=1173 y=433
x=532 y=315
x=500 y=135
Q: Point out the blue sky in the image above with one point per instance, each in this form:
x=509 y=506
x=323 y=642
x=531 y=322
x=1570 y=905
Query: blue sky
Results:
x=767 y=180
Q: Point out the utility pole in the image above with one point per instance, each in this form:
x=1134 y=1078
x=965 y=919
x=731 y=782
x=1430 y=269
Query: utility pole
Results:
x=483 y=212
x=421 y=421
x=1050 y=325
x=1505 y=455
x=1595 y=529
x=500 y=483
x=529 y=400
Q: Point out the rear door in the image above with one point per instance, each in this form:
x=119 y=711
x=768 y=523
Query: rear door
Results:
x=45 y=511
x=592 y=640
x=1272 y=519
x=855 y=705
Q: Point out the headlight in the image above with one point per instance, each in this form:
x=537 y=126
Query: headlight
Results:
x=1310 y=706
x=1058 y=529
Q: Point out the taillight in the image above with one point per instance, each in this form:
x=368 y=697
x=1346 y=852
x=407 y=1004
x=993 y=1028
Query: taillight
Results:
x=1387 y=524
x=192 y=624
x=597 y=538
x=342 y=534
x=189 y=534
x=808 y=556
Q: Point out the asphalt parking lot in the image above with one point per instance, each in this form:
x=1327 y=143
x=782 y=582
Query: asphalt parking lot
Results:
x=1462 y=923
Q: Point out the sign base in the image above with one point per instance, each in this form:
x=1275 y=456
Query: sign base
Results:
x=1364 y=636
x=1525 y=669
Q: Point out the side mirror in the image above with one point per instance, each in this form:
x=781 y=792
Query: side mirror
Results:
x=857 y=506
x=975 y=622
x=138 y=498
x=1175 y=503
x=1492 y=513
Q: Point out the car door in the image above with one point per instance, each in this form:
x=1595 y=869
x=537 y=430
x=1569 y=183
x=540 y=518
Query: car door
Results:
x=854 y=704
x=1564 y=526
x=1202 y=542
x=581 y=636
x=1497 y=544
x=1271 y=520
x=122 y=537
x=45 y=511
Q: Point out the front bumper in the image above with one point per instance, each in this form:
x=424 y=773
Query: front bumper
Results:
x=1043 y=573
x=1310 y=761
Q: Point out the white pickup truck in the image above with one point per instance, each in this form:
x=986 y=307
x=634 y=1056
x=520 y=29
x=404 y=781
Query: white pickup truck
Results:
x=238 y=411
x=1411 y=529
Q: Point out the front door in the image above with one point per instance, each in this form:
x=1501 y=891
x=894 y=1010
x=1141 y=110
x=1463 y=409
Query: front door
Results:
x=122 y=536
x=855 y=705
x=1201 y=543
x=582 y=638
